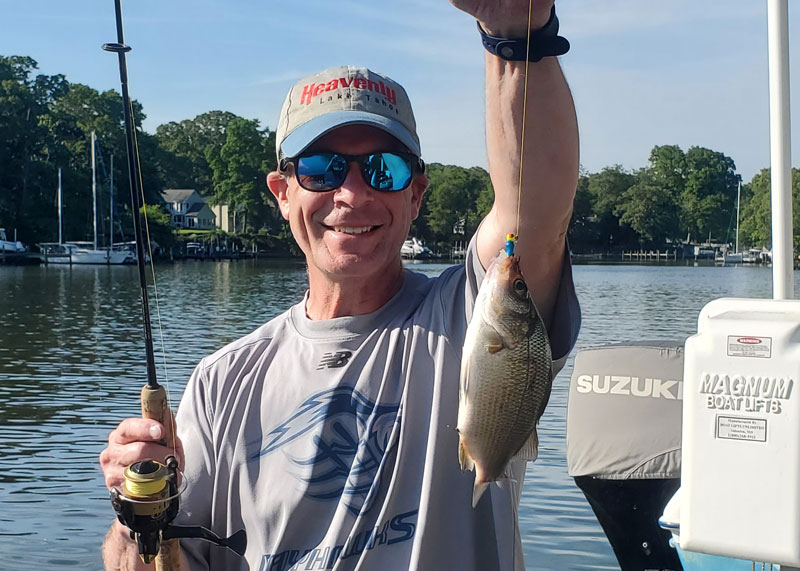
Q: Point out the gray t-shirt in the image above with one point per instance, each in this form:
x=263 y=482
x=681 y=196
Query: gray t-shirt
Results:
x=333 y=443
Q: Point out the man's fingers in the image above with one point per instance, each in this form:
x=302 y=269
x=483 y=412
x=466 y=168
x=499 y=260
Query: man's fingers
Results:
x=134 y=440
x=117 y=457
x=138 y=451
x=137 y=430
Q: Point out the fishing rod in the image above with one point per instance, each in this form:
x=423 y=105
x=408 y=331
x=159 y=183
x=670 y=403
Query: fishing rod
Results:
x=148 y=500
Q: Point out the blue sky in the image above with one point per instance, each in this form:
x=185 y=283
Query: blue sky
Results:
x=642 y=73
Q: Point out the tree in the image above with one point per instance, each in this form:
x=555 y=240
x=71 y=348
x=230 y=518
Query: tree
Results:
x=755 y=223
x=25 y=143
x=239 y=169
x=158 y=225
x=709 y=196
x=667 y=168
x=650 y=210
x=606 y=189
x=186 y=146
x=456 y=197
x=583 y=231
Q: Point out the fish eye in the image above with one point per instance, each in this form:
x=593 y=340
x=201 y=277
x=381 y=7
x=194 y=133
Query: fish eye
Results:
x=520 y=287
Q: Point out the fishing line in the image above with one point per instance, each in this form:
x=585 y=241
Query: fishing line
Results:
x=510 y=244
x=524 y=114
x=153 y=273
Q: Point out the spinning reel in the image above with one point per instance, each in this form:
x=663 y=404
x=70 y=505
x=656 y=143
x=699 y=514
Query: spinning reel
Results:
x=147 y=503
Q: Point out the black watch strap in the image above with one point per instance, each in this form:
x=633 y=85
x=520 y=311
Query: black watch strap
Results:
x=544 y=42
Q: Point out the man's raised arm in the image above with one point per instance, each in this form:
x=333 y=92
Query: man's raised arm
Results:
x=550 y=159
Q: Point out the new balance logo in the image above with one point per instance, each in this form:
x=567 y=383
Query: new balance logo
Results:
x=334 y=360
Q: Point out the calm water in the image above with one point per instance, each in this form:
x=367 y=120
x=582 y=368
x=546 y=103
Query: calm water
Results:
x=71 y=350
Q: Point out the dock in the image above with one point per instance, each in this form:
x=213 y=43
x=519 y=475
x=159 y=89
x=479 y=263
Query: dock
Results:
x=19 y=258
x=650 y=255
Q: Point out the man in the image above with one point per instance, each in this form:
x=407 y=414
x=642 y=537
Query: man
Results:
x=329 y=434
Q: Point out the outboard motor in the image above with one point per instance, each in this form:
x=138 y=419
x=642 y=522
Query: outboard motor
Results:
x=624 y=444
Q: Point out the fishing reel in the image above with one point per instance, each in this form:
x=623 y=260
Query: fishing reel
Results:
x=147 y=503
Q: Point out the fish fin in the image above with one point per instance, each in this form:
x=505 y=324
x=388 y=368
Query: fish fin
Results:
x=463 y=458
x=463 y=386
x=529 y=450
x=477 y=491
x=494 y=341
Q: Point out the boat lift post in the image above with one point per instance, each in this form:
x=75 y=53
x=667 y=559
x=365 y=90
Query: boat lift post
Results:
x=780 y=149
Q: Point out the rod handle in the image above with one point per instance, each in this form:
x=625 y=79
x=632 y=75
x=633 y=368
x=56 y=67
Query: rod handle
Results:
x=169 y=556
x=155 y=407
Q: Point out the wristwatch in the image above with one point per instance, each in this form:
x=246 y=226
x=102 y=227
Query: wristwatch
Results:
x=544 y=42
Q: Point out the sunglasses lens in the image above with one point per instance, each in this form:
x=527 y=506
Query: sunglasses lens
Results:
x=387 y=172
x=321 y=172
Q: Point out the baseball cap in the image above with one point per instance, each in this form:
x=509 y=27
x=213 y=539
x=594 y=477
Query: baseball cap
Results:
x=344 y=95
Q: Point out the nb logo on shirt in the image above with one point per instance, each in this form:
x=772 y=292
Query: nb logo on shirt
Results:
x=334 y=360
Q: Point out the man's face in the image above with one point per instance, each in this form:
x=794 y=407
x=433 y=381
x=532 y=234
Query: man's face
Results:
x=353 y=231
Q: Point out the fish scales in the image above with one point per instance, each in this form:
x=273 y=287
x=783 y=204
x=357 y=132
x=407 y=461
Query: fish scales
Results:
x=506 y=376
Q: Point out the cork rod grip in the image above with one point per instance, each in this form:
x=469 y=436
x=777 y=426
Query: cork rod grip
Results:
x=155 y=407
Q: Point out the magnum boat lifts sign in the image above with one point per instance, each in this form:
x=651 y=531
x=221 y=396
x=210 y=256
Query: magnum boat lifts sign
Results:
x=749 y=393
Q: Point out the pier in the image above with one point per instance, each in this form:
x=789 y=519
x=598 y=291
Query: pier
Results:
x=650 y=255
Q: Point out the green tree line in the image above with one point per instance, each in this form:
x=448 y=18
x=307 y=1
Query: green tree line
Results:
x=679 y=197
x=46 y=121
x=45 y=125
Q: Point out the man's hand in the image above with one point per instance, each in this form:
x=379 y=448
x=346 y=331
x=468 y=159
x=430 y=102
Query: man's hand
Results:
x=507 y=18
x=134 y=440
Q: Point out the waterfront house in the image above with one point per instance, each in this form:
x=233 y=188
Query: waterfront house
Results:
x=187 y=209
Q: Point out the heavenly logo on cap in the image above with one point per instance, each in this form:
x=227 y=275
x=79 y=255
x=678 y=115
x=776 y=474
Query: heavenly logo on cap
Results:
x=310 y=90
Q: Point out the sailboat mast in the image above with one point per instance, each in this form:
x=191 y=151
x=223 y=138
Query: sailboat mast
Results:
x=94 y=192
x=738 y=202
x=59 y=206
x=111 y=208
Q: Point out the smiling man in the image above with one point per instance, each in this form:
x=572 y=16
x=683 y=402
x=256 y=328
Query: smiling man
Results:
x=328 y=434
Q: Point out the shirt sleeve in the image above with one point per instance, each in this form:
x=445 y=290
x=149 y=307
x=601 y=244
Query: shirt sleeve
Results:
x=194 y=423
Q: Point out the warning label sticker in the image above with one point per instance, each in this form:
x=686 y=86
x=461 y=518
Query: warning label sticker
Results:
x=748 y=346
x=734 y=428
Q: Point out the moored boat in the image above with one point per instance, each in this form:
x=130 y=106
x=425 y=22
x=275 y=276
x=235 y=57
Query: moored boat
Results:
x=10 y=246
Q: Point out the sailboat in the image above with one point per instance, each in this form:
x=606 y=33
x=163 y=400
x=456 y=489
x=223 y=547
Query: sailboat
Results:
x=82 y=252
x=736 y=257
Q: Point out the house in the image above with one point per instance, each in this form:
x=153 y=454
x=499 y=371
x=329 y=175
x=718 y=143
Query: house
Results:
x=226 y=219
x=187 y=209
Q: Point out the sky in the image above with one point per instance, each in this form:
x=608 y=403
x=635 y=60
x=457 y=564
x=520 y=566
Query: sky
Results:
x=674 y=72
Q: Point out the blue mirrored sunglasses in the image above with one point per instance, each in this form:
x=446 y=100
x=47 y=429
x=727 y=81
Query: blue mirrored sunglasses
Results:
x=383 y=171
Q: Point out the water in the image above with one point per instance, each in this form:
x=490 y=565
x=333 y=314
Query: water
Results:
x=71 y=367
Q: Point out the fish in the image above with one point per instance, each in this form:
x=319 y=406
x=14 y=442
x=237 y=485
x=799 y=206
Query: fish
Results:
x=506 y=376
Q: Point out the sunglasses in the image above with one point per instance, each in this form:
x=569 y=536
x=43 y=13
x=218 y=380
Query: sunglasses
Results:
x=382 y=171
